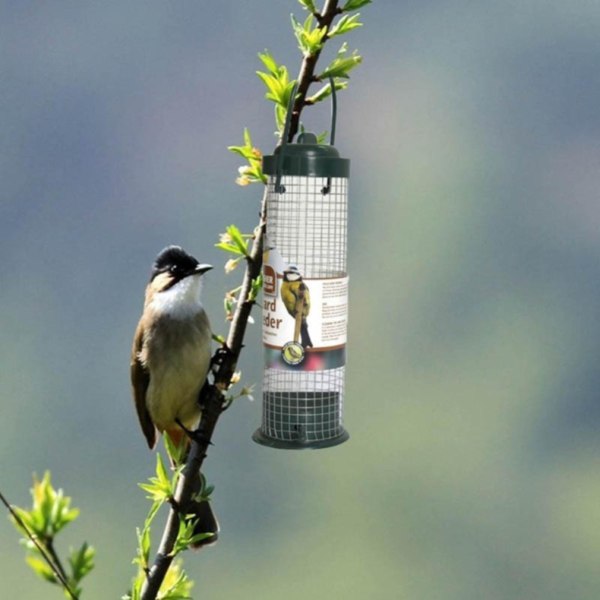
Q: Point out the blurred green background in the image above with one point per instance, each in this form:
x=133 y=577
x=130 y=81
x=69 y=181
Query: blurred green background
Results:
x=473 y=468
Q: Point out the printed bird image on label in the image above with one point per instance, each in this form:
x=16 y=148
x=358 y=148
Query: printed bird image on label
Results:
x=304 y=319
x=292 y=353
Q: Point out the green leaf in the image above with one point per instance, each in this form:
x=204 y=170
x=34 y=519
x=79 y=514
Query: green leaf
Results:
x=340 y=66
x=322 y=137
x=151 y=514
x=228 y=308
x=227 y=248
x=280 y=115
x=154 y=491
x=355 y=4
x=51 y=510
x=308 y=5
x=310 y=39
x=279 y=90
x=81 y=561
x=345 y=24
x=143 y=550
x=272 y=85
x=219 y=339
x=246 y=151
x=247 y=139
x=298 y=31
x=237 y=239
x=61 y=513
x=42 y=568
x=325 y=92
x=27 y=519
x=160 y=487
x=207 y=492
x=176 y=585
x=241 y=150
x=278 y=87
x=252 y=172
x=269 y=62
x=161 y=472
x=175 y=453
x=184 y=535
x=255 y=288
x=136 y=587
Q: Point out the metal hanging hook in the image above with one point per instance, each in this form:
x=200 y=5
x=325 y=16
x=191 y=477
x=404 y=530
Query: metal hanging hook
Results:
x=280 y=189
x=327 y=188
x=333 y=110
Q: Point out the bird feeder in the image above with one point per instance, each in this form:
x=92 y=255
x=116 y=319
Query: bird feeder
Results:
x=305 y=294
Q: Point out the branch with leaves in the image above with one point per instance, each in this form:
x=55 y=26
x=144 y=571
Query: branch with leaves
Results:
x=49 y=514
x=312 y=34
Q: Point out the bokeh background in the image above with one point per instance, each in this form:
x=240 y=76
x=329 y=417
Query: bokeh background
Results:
x=473 y=469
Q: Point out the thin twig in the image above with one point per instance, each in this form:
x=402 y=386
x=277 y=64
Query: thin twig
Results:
x=56 y=559
x=48 y=554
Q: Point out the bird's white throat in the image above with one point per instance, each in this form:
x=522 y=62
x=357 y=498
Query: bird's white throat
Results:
x=181 y=300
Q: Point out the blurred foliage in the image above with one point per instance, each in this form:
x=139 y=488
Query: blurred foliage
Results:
x=471 y=397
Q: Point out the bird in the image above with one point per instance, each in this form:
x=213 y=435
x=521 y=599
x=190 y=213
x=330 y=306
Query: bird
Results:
x=170 y=359
x=296 y=299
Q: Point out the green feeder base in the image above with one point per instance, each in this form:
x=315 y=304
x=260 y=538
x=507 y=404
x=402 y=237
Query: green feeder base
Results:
x=303 y=419
x=264 y=440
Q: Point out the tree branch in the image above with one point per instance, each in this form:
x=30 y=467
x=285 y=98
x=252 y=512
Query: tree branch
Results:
x=212 y=397
x=307 y=69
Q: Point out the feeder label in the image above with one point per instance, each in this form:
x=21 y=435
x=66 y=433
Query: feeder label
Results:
x=304 y=319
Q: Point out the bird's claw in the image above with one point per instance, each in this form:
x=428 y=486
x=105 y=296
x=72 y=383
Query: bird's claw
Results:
x=219 y=357
x=196 y=435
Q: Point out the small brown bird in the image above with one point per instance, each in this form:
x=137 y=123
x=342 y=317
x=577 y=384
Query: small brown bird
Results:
x=171 y=357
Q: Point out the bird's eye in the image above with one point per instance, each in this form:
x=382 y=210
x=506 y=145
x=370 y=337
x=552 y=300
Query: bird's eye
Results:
x=174 y=269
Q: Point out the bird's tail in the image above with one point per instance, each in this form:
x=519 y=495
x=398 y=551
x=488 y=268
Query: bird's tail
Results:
x=304 y=336
x=207 y=523
x=199 y=509
x=202 y=511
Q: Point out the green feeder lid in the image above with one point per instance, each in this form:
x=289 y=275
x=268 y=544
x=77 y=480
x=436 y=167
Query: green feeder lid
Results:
x=306 y=157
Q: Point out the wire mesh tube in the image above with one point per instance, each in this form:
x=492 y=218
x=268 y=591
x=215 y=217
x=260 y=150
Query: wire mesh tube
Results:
x=304 y=312
x=308 y=227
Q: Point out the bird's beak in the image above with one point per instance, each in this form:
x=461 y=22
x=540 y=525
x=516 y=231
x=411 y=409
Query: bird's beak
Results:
x=201 y=269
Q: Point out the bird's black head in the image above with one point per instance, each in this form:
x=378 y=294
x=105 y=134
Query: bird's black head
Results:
x=177 y=263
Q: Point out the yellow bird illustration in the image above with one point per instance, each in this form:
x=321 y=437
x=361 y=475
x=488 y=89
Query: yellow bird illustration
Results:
x=296 y=299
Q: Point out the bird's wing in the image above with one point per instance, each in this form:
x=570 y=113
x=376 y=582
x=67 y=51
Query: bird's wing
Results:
x=306 y=295
x=140 y=378
x=288 y=297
